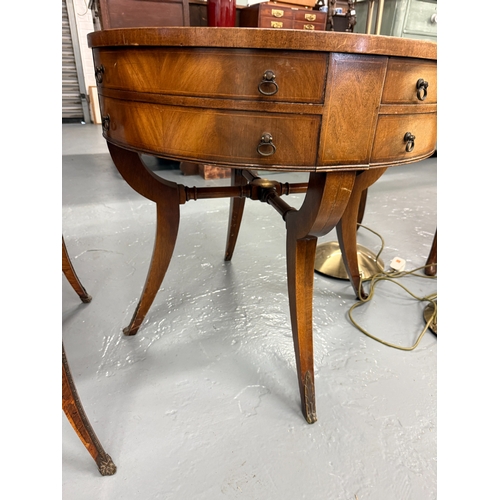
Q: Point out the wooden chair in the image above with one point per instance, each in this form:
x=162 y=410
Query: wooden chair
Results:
x=71 y=404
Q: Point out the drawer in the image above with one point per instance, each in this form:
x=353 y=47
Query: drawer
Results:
x=221 y=136
x=304 y=25
x=275 y=11
x=310 y=16
x=390 y=144
x=238 y=74
x=421 y=17
x=273 y=22
x=401 y=81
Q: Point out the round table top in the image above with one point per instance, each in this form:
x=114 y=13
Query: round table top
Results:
x=259 y=38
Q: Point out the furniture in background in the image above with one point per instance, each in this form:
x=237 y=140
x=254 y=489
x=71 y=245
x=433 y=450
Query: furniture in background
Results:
x=341 y=106
x=134 y=13
x=283 y=16
x=71 y=403
x=415 y=19
x=341 y=15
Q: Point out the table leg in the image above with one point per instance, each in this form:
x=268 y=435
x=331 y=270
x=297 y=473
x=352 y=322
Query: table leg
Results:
x=235 y=213
x=166 y=196
x=72 y=277
x=325 y=201
x=362 y=206
x=431 y=270
x=347 y=227
x=75 y=413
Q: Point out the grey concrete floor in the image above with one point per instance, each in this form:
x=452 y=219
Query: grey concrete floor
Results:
x=203 y=402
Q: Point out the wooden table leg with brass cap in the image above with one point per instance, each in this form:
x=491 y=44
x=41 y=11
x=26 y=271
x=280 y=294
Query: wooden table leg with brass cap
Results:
x=325 y=201
x=78 y=419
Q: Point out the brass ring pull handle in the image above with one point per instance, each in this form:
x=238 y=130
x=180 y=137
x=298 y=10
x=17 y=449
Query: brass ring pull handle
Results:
x=409 y=138
x=105 y=122
x=266 y=146
x=99 y=73
x=268 y=81
x=422 y=89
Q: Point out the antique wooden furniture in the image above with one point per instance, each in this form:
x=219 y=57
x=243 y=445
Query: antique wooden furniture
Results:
x=342 y=107
x=280 y=16
x=404 y=18
x=71 y=403
x=135 y=13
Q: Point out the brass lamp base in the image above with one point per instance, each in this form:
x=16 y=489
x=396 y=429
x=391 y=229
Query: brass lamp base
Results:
x=428 y=311
x=329 y=261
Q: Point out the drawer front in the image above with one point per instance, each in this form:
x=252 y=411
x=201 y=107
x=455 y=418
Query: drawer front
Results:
x=310 y=16
x=237 y=74
x=390 y=143
x=220 y=136
x=273 y=22
x=275 y=12
x=401 y=82
x=421 y=17
x=304 y=25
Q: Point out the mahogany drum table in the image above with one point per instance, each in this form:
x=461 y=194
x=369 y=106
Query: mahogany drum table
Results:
x=340 y=106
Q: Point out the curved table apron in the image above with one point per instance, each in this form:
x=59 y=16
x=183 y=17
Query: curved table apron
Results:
x=342 y=107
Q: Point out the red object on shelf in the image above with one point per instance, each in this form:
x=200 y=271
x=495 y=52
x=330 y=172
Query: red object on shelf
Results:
x=221 y=13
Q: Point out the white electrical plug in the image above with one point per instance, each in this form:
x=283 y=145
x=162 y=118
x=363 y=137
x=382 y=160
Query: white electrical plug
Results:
x=398 y=264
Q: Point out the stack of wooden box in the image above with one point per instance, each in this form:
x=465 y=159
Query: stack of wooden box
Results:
x=287 y=14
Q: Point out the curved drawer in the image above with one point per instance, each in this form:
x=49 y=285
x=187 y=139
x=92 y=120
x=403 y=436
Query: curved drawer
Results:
x=211 y=135
x=236 y=74
x=401 y=81
x=390 y=144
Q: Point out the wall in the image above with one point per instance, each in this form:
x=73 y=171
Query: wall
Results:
x=84 y=23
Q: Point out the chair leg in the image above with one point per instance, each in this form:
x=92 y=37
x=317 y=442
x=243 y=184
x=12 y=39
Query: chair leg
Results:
x=71 y=275
x=75 y=413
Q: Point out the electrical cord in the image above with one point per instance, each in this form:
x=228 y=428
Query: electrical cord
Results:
x=392 y=276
